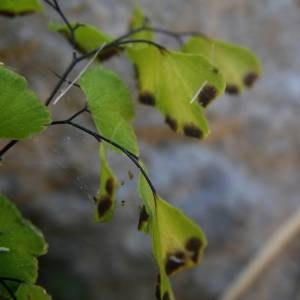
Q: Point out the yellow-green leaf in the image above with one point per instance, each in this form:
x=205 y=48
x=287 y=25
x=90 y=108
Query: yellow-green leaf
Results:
x=22 y=114
x=239 y=66
x=87 y=38
x=138 y=20
x=106 y=196
x=111 y=106
x=179 y=85
x=177 y=242
x=19 y=7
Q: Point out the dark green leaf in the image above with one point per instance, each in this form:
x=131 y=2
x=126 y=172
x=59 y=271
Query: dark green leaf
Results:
x=22 y=114
x=20 y=244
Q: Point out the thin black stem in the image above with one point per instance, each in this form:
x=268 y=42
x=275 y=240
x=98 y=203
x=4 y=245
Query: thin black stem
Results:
x=122 y=41
x=55 y=5
x=50 y=3
x=67 y=80
x=176 y=35
x=173 y=33
x=7 y=288
x=7 y=147
x=142 y=41
x=63 y=78
x=134 y=158
x=83 y=110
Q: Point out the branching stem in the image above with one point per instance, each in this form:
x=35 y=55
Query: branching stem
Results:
x=8 y=289
x=134 y=158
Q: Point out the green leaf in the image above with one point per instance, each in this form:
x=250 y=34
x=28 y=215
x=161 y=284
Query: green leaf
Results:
x=111 y=106
x=179 y=85
x=106 y=196
x=19 y=7
x=22 y=114
x=177 y=242
x=138 y=20
x=239 y=66
x=20 y=244
x=31 y=292
x=87 y=38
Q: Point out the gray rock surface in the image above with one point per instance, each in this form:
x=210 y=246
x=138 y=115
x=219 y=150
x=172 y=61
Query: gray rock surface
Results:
x=239 y=185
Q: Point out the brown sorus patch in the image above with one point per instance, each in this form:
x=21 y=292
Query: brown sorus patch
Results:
x=166 y=296
x=193 y=245
x=249 y=79
x=147 y=98
x=104 y=205
x=192 y=131
x=109 y=186
x=207 y=94
x=173 y=262
x=144 y=217
x=232 y=89
x=171 y=122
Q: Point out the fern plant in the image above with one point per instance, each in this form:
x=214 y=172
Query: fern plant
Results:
x=181 y=83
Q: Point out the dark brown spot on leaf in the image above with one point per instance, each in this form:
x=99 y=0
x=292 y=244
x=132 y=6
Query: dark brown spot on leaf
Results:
x=192 y=131
x=109 y=186
x=136 y=71
x=232 y=89
x=136 y=76
x=104 y=54
x=180 y=255
x=110 y=52
x=144 y=217
x=207 y=94
x=215 y=70
x=12 y=14
x=193 y=245
x=157 y=288
x=166 y=296
x=147 y=98
x=171 y=122
x=174 y=262
x=249 y=79
x=104 y=205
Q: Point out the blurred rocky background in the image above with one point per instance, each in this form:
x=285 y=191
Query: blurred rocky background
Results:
x=240 y=184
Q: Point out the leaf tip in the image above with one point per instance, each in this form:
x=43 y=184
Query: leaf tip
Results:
x=232 y=89
x=250 y=79
x=104 y=205
x=192 y=130
x=194 y=246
